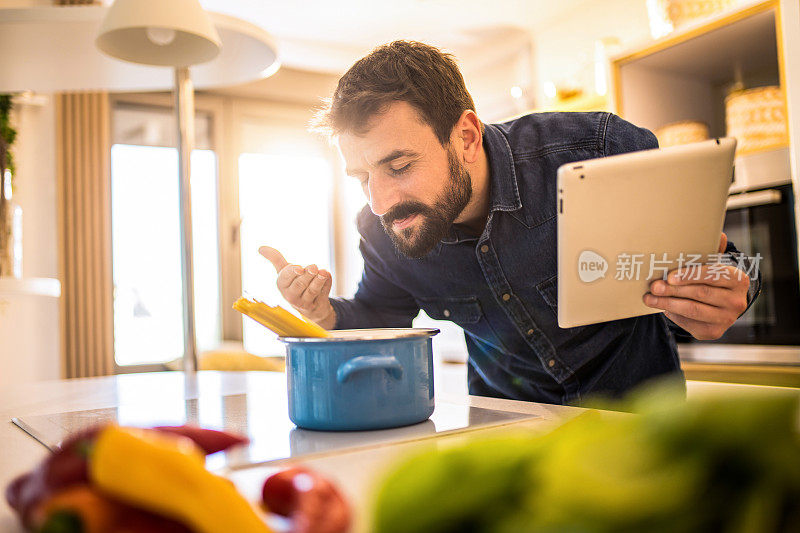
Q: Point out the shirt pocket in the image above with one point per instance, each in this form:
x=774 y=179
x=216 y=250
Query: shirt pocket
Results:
x=548 y=289
x=465 y=312
x=461 y=310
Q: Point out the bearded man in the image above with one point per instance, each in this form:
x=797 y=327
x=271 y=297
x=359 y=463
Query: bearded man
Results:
x=461 y=222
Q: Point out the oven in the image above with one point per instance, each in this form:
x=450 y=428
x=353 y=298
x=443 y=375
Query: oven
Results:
x=762 y=221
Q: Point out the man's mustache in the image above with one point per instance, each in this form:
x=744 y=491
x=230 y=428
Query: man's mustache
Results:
x=404 y=210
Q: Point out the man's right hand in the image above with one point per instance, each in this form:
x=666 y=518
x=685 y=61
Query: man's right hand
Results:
x=306 y=288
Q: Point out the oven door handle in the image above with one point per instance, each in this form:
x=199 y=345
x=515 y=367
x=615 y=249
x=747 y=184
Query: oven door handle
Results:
x=753 y=199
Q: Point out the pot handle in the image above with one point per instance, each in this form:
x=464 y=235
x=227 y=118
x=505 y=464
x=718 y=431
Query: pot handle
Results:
x=389 y=363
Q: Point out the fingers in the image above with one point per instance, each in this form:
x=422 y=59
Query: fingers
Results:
x=301 y=287
x=701 y=292
x=274 y=257
x=723 y=242
x=715 y=274
x=313 y=290
x=325 y=290
x=287 y=276
x=683 y=306
x=699 y=330
x=294 y=292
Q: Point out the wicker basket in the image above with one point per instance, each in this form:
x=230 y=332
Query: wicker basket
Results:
x=684 y=132
x=682 y=12
x=757 y=118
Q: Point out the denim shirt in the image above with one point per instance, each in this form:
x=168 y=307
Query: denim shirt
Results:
x=501 y=286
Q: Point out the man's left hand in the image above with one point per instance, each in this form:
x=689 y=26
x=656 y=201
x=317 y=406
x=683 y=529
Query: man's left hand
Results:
x=704 y=301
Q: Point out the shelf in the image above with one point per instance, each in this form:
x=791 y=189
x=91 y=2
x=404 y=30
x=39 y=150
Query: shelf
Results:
x=709 y=52
x=685 y=76
x=29 y=287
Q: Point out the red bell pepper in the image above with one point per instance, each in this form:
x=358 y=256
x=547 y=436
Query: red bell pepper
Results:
x=209 y=440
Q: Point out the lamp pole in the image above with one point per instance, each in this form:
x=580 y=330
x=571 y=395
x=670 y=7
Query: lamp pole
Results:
x=177 y=34
x=184 y=106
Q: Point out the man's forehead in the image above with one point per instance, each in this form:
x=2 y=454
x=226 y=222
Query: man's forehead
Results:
x=377 y=151
x=398 y=128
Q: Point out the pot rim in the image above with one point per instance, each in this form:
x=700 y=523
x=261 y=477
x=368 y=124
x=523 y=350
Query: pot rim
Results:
x=372 y=334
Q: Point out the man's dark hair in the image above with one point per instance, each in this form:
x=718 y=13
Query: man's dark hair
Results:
x=408 y=71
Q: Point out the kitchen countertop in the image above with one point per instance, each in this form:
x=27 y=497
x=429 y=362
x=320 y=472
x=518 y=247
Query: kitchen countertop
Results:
x=748 y=354
x=354 y=463
x=331 y=453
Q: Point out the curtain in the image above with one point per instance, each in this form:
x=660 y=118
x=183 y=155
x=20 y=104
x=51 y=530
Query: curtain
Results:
x=84 y=225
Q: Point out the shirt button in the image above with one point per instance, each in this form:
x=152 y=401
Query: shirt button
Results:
x=446 y=313
x=484 y=248
x=551 y=363
x=506 y=297
x=530 y=331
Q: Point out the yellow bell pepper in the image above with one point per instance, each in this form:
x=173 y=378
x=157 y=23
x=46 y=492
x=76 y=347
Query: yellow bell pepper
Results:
x=166 y=474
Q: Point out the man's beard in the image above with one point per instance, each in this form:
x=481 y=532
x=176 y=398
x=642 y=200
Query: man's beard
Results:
x=418 y=240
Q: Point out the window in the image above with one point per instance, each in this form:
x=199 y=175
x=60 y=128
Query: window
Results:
x=148 y=304
x=286 y=184
x=284 y=202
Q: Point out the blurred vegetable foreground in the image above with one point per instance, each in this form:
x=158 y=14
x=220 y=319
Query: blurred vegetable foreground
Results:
x=112 y=479
x=721 y=464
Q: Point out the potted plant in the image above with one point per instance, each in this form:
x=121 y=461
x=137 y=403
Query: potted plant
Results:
x=10 y=212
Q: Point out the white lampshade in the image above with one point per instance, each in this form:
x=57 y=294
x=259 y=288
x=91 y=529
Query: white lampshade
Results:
x=176 y=33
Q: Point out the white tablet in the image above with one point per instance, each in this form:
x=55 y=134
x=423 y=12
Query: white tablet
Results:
x=625 y=220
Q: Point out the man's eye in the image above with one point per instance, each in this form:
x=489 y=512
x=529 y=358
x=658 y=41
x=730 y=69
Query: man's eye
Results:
x=402 y=169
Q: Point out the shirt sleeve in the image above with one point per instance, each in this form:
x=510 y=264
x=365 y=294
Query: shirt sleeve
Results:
x=378 y=302
x=750 y=267
x=620 y=136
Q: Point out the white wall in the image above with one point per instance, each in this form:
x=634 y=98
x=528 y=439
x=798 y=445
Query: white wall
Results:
x=35 y=152
x=560 y=51
x=564 y=49
x=29 y=325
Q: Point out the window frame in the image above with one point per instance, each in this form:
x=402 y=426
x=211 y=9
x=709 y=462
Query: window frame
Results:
x=214 y=107
x=227 y=113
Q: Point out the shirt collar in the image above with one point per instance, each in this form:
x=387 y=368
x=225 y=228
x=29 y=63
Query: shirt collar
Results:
x=503 y=192
x=503 y=189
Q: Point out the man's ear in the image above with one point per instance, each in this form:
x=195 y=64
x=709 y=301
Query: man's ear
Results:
x=468 y=136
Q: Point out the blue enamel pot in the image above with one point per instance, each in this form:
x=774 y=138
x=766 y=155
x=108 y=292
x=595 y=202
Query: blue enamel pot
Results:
x=360 y=379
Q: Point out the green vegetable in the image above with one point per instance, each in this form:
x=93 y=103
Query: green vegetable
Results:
x=727 y=464
x=460 y=485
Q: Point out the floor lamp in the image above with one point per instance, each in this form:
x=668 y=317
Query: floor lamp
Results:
x=177 y=34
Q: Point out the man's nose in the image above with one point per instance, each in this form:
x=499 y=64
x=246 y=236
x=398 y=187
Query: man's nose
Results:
x=382 y=196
